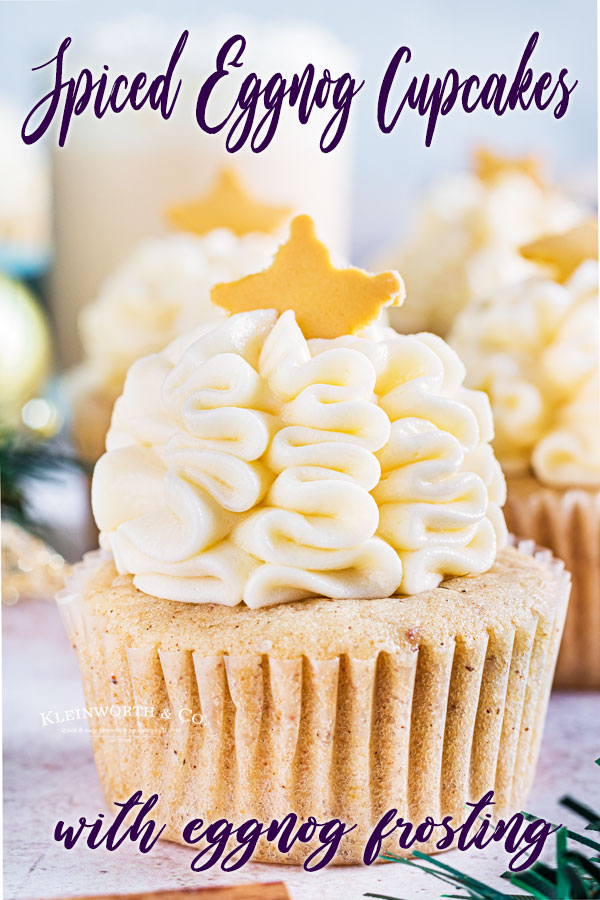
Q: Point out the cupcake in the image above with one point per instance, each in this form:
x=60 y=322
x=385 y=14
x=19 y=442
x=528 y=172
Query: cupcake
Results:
x=465 y=241
x=533 y=347
x=163 y=290
x=304 y=566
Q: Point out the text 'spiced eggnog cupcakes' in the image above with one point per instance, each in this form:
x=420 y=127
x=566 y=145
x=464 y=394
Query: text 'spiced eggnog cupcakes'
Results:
x=533 y=347
x=466 y=237
x=163 y=290
x=303 y=541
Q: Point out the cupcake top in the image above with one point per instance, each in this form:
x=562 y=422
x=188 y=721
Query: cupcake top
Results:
x=466 y=238
x=163 y=289
x=533 y=347
x=298 y=450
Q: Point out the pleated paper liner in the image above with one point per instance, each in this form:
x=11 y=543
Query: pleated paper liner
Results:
x=418 y=714
x=568 y=522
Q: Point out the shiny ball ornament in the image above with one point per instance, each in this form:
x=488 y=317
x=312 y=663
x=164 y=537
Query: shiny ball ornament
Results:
x=24 y=349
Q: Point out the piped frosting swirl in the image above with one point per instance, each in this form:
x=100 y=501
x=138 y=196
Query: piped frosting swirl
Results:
x=533 y=347
x=253 y=465
x=465 y=239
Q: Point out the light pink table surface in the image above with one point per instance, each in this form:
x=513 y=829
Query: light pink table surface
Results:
x=49 y=775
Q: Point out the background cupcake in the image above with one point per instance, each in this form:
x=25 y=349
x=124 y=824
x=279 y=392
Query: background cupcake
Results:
x=304 y=541
x=163 y=290
x=533 y=347
x=465 y=240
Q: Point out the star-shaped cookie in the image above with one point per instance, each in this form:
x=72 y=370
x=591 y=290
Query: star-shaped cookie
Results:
x=328 y=302
x=563 y=253
x=227 y=205
x=489 y=165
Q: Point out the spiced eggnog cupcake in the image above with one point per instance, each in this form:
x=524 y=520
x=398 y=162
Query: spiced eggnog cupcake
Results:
x=303 y=545
x=162 y=290
x=533 y=347
x=465 y=239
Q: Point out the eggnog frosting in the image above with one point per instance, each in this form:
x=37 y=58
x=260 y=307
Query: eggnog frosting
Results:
x=466 y=238
x=533 y=347
x=160 y=291
x=253 y=465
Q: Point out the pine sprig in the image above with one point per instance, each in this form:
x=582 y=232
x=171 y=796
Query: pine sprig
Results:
x=23 y=460
x=573 y=876
x=584 y=811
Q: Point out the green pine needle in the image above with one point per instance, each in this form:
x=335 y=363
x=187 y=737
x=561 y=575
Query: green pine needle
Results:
x=573 y=835
x=23 y=460
x=450 y=875
x=573 y=876
x=584 y=811
x=563 y=885
x=382 y=896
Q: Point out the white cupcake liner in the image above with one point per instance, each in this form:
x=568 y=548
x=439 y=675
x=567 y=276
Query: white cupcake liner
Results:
x=568 y=522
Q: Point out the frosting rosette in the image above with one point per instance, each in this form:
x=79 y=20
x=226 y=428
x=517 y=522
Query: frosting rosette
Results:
x=161 y=291
x=465 y=241
x=248 y=464
x=533 y=347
